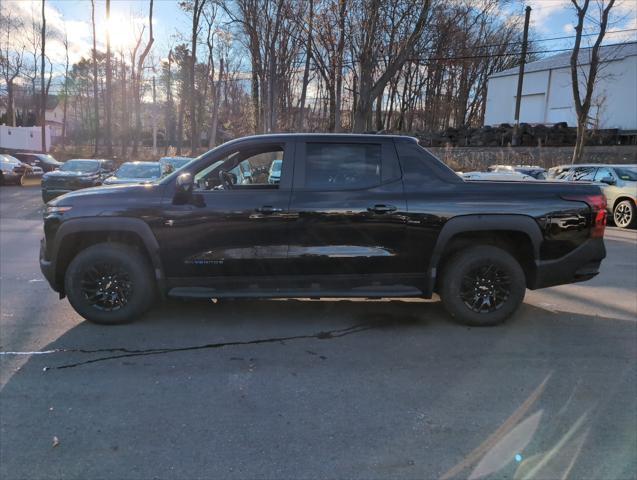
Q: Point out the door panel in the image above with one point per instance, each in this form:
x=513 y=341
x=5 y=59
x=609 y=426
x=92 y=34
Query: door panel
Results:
x=227 y=234
x=354 y=231
x=238 y=231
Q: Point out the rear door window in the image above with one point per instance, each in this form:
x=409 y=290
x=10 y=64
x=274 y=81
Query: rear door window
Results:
x=342 y=166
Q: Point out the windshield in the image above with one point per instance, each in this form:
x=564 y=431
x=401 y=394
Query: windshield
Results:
x=138 y=170
x=48 y=159
x=627 y=173
x=276 y=166
x=175 y=162
x=9 y=159
x=81 y=166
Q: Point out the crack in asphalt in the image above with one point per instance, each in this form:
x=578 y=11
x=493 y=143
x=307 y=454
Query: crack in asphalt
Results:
x=127 y=353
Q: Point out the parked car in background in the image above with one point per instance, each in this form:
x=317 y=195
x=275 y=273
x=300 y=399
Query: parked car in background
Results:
x=618 y=182
x=43 y=160
x=352 y=216
x=536 y=172
x=74 y=175
x=13 y=171
x=135 y=172
x=170 y=164
x=506 y=176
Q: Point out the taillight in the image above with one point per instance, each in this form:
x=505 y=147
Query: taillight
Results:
x=597 y=204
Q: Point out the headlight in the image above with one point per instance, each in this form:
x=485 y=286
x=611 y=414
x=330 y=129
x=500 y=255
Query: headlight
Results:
x=56 y=209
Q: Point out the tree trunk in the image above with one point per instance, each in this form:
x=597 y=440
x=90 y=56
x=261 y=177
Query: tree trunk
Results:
x=96 y=108
x=339 y=65
x=138 y=77
x=180 y=121
x=196 y=14
x=212 y=139
x=306 y=69
x=10 y=105
x=125 y=120
x=580 y=141
x=379 y=112
x=66 y=88
x=109 y=85
x=43 y=90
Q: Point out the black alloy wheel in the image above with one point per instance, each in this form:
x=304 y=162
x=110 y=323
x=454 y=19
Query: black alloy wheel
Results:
x=485 y=289
x=107 y=287
x=482 y=285
x=110 y=283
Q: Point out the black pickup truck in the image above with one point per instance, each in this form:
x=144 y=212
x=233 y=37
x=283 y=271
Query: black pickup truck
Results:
x=351 y=216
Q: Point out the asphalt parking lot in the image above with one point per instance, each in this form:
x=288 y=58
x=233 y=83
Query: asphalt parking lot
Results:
x=315 y=389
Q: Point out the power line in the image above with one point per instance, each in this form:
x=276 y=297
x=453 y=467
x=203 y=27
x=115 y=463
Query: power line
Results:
x=551 y=39
x=507 y=54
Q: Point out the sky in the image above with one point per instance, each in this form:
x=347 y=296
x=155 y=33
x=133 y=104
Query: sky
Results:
x=549 y=19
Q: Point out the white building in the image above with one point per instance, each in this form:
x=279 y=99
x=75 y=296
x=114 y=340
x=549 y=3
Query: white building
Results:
x=547 y=95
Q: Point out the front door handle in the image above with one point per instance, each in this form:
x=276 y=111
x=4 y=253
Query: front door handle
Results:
x=382 y=209
x=268 y=209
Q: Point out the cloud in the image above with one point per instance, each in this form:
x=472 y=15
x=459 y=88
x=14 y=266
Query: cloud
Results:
x=29 y=13
x=544 y=10
x=125 y=29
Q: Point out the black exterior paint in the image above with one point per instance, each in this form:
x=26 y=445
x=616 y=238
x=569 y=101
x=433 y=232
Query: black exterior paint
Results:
x=385 y=240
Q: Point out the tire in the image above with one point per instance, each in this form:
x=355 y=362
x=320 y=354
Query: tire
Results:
x=624 y=214
x=469 y=288
x=1 y=178
x=97 y=264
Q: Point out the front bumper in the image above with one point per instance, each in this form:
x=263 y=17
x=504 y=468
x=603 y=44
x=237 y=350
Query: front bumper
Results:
x=47 y=266
x=577 y=266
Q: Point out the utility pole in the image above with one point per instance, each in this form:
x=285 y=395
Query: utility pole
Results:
x=515 y=140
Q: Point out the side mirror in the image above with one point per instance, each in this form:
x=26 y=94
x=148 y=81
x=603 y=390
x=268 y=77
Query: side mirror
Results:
x=184 y=185
x=608 y=180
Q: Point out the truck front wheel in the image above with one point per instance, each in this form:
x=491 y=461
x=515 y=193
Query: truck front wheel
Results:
x=482 y=286
x=110 y=283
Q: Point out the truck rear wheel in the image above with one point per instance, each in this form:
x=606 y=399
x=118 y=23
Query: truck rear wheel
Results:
x=482 y=286
x=110 y=283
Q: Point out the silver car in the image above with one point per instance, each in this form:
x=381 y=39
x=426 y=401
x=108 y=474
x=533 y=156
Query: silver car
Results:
x=618 y=182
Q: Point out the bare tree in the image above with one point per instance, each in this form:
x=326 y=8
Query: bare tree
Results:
x=371 y=37
x=43 y=92
x=583 y=106
x=65 y=42
x=109 y=84
x=11 y=59
x=195 y=8
x=96 y=106
x=138 y=78
x=306 y=69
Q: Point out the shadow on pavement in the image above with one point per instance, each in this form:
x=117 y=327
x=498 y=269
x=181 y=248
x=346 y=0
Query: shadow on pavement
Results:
x=339 y=389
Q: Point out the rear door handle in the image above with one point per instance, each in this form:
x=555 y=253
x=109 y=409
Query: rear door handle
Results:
x=382 y=209
x=267 y=209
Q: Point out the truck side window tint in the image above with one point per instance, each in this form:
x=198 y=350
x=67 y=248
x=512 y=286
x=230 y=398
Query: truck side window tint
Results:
x=342 y=166
x=421 y=168
x=247 y=168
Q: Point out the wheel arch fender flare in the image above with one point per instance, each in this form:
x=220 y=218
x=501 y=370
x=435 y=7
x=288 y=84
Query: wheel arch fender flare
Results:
x=112 y=224
x=482 y=223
